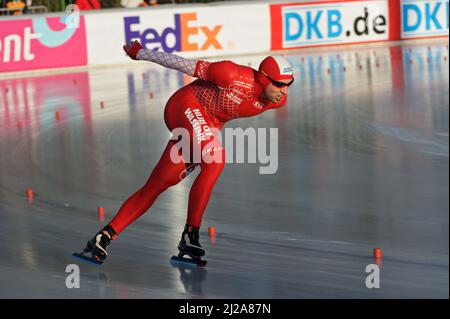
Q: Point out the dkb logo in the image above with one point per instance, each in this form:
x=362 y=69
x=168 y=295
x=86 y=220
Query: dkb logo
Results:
x=425 y=17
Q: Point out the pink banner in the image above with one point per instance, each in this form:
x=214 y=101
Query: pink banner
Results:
x=41 y=43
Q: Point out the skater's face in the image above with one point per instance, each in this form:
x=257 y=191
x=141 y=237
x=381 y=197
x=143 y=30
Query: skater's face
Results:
x=275 y=90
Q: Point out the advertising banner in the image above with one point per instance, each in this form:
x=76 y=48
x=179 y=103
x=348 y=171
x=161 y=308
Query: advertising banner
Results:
x=42 y=42
x=97 y=37
x=297 y=25
x=421 y=18
x=189 y=32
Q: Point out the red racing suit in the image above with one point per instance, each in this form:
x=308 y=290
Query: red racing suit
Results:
x=223 y=91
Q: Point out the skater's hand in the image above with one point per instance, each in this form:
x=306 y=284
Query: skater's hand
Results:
x=132 y=49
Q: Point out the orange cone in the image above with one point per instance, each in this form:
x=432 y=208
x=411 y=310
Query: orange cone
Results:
x=57 y=116
x=29 y=193
x=101 y=214
x=377 y=253
x=212 y=231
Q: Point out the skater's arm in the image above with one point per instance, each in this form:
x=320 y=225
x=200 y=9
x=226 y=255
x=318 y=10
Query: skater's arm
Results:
x=168 y=60
x=221 y=73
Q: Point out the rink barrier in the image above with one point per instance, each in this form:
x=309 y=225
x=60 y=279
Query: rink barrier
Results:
x=212 y=30
x=310 y=24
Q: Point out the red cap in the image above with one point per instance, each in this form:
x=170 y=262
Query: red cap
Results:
x=275 y=67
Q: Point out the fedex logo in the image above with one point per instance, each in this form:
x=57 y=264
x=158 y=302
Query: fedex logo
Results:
x=183 y=36
x=421 y=18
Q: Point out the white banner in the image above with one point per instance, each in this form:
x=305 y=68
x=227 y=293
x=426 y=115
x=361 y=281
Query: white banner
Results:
x=329 y=23
x=424 y=18
x=188 y=31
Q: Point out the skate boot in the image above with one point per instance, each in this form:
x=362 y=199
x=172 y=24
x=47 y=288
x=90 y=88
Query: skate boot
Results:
x=189 y=245
x=97 y=246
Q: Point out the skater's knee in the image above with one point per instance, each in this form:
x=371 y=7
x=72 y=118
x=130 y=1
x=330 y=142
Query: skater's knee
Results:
x=212 y=168
x=163 y=181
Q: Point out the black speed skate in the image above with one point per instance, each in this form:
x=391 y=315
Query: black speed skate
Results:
x=96 y=247
x=189 y=245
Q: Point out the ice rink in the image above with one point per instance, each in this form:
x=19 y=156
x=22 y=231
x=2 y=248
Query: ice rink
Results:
x=363 y=162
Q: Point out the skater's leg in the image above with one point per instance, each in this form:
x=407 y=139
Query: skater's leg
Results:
x=198 y=199
x=212 y=163
x=201 y=192
x=165 y=174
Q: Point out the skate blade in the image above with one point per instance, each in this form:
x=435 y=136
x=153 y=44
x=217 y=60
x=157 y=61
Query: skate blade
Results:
x=188 y=261
x=86 y=259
